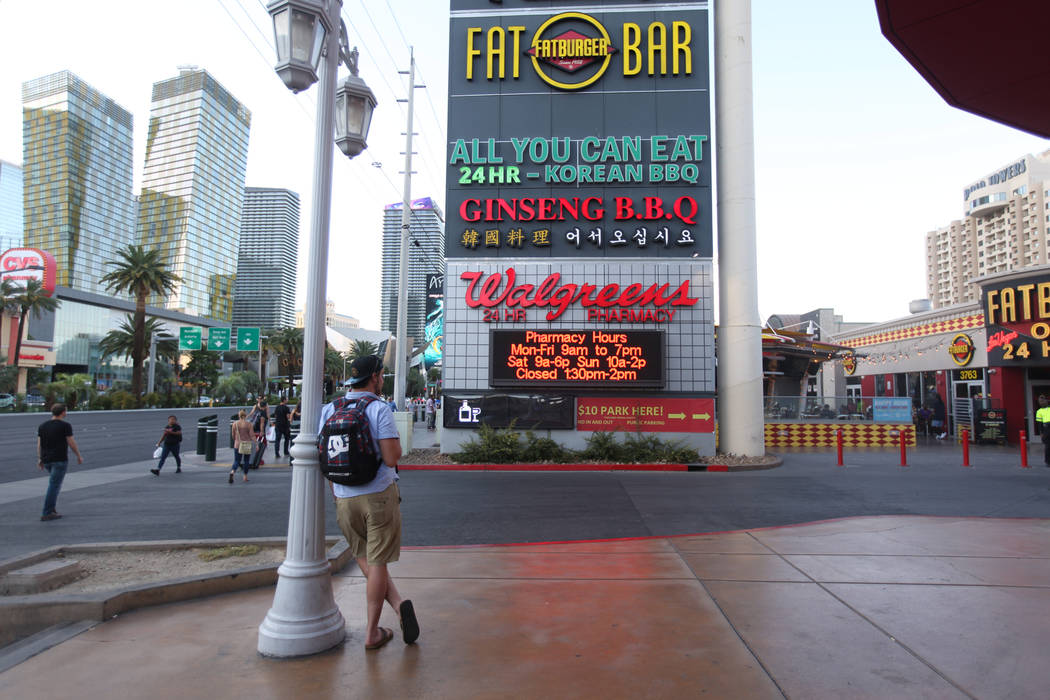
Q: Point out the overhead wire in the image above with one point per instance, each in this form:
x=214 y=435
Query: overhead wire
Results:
x=365 y=182
x=394 y=64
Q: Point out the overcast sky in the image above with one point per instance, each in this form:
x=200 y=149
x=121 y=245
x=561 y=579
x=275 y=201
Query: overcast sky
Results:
x=857 y=157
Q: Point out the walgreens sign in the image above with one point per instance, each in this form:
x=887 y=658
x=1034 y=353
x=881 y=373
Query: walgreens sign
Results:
x=19 y=265
x=630 y=303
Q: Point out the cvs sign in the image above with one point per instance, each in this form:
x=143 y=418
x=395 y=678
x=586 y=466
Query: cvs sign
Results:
x=19 y=265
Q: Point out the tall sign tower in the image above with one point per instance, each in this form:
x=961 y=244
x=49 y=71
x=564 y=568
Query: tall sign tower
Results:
x=579 y=222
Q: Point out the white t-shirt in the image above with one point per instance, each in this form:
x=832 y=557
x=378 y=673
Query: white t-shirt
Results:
x=381 y=425
x=430 y=405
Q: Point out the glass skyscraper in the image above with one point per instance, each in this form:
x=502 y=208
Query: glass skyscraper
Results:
x=11 y=221
x=264 y=294
x=426 y=255
x=193 y=189
x=77 y=170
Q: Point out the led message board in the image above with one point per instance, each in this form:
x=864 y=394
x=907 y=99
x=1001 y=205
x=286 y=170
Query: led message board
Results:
x=585 y=359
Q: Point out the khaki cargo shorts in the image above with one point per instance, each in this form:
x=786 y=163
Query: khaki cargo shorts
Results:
x=371 y=524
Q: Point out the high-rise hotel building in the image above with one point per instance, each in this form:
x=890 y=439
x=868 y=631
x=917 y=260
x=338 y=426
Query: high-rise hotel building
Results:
x=11 y=221
x=77 y=171
x=264 y=294
x=426 y=255
x=193 y=189
x=1006 y=217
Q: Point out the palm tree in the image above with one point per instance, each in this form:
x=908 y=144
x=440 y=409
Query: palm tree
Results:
x=30 y=299
x=120 y=342
x=139 y=272
x=362 y=348
x=288 y=342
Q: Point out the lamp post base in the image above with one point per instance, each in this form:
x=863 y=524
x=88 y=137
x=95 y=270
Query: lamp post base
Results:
x=295 y=626
x=304 y=618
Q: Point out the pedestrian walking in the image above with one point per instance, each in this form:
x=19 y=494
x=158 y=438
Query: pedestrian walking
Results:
x=260 y=419
x=939 y=416
x=430 y=413
x=169 y=442
x=282 y=428
x=54 y=439
x=243 y=439
x=1042 y=422
x=370 y=515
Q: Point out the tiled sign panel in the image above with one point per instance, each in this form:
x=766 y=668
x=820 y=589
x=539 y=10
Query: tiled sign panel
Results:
x=687 y=326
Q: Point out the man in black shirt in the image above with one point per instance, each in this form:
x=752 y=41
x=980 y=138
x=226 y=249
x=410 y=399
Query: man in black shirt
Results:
x=170 y=440
x=53 y=440
x=282 y=426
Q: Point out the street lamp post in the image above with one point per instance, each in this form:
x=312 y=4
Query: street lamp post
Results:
x=311 y=42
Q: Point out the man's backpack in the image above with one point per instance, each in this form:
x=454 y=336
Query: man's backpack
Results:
x=345 y=448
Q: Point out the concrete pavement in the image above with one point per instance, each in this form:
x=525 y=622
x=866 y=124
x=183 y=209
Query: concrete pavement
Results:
x=871 y=607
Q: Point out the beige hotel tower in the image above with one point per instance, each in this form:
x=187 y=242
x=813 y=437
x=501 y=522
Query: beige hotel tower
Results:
x=1006 y=216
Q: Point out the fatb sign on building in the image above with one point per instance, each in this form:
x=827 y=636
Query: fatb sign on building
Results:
x=579 y=220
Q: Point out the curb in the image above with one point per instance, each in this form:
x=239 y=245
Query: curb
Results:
x=592 y=467
x=25 y=615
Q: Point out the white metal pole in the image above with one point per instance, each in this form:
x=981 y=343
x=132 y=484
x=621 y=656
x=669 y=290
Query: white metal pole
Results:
x=304 y=618
x=739 y=327
x=403 y=349
x=152 y=363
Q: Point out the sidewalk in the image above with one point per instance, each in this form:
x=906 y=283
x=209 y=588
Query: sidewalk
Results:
x=878 y=607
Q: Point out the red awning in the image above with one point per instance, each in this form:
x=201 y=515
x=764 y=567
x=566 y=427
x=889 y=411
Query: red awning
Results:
x=988 y=57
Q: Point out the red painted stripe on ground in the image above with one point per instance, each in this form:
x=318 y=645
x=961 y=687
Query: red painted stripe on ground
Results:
x=713 y=532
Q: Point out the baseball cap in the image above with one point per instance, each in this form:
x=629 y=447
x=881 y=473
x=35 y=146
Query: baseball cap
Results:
x=363 y=368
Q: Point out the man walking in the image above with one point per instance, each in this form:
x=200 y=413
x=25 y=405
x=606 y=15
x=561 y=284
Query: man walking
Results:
x=430 y=413
x=169 y=443
x=282 y=426
x=53 y=440
x=1042 y=423
x=370 y=515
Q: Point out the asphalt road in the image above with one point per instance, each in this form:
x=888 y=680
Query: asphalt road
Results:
x=105 y=438
x=457 y=508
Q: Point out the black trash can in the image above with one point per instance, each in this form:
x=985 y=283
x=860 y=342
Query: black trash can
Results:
x=202 y=433
x=211 y=438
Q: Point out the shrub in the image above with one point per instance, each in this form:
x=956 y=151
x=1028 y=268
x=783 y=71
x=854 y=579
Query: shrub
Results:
x=102 y=402
x=543 y=449
x=121 y=400
x=493 y=446
x=603 y=447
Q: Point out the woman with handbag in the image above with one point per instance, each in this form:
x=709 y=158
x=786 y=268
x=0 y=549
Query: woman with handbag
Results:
x=243 y=438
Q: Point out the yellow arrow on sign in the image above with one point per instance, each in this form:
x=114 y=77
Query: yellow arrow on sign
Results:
x=676 y=415
x=701 y=416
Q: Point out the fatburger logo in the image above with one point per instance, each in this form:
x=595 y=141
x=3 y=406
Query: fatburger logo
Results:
x=570 y=51
x=573 y=50
x=849 y=364
x=961 y=349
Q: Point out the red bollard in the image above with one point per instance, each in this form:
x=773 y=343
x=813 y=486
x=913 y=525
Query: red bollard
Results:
x=966 y=447
x=904 y=451
x=1024 y=450
x=838 y=440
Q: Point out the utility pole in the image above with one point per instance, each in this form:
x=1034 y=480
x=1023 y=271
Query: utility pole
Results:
x=402 y=347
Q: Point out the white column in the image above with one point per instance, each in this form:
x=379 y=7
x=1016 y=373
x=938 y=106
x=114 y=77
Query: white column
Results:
x=403 y=346
x=739 y=327
x=304 y=618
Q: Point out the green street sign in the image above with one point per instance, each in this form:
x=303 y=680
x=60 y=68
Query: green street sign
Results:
x=248 y=339
x=189 y=338
x=218 y=339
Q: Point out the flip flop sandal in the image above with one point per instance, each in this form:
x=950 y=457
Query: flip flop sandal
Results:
x=387 y=636
x=409 y=625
